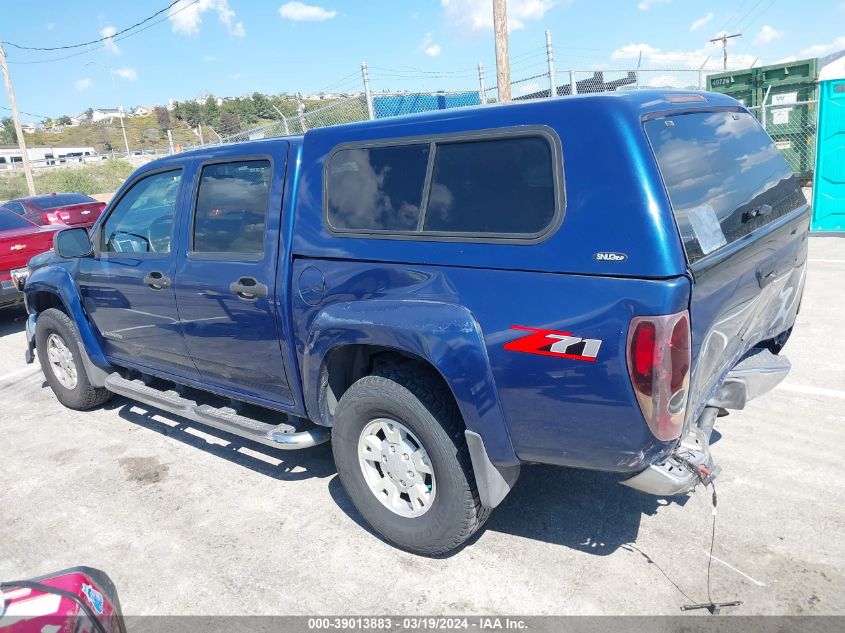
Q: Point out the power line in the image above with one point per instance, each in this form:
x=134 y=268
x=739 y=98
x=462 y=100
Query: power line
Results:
x=101 y=45
x=40 y=116
x=102 y=39
x=733 y=16
x=751 y=21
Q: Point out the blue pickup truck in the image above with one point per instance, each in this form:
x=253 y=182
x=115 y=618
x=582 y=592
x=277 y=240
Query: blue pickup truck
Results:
x=587 y=282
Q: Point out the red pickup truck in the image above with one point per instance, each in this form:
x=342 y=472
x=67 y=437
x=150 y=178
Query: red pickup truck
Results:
x=20 y=240
x=63 y=209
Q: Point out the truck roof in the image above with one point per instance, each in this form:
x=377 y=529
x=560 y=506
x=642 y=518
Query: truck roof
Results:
x=635 y=101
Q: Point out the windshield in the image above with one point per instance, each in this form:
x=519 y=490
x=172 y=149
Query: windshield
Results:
x=724 y=176
x=9 y=220
x=61 y=200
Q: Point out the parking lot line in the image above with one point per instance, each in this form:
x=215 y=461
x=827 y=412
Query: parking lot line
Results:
x=813 y=391
x=732 y=568
x=21 y=372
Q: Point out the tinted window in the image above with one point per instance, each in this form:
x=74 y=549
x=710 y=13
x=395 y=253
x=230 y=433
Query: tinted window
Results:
x=9 y=220
x=503 y=186
x=231 y=207
x=61 y=200
x=377 y=188
x=724 y=176
x=16 y=207
x=142 y=222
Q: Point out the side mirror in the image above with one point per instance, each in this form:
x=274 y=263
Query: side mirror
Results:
x=73 y=243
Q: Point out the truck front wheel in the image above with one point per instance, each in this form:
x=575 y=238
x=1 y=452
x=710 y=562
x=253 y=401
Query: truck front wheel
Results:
x=57 y=344
x=398 y=442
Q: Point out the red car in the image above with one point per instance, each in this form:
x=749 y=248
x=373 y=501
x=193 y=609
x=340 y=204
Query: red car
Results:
x=20 y=240
x=65 y=209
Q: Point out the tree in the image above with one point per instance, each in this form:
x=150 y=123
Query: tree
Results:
x=263 y=109
x=89 y=113
x=211 y=112
x=162 y=117
x=229 y=123
x=8 y=136
x=191 y=113
x=64 y=120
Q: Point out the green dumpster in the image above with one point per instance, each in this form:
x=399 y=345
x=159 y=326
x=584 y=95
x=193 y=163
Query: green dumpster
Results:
x=790 y=92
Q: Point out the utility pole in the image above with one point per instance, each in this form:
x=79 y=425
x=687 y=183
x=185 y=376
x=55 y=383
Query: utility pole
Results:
x=503 y=69
x=27 y=168
x=723 y=38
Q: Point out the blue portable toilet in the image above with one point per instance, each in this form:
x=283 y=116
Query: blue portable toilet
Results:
x=829 y=180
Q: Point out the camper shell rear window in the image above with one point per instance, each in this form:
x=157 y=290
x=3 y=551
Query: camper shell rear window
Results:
x=724 y=176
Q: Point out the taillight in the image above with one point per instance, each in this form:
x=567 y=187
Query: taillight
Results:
x=55 y=217
x=659 y=360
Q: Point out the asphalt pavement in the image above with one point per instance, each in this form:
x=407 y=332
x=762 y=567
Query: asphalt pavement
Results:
x=188 y=520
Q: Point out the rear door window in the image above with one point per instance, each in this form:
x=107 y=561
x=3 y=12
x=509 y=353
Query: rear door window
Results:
x=231 y=208
x=724 y=176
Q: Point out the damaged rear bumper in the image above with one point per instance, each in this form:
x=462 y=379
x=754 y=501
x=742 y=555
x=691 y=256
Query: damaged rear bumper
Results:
x=690 y=463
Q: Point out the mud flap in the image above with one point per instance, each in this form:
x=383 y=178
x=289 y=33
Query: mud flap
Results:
x=494 y=482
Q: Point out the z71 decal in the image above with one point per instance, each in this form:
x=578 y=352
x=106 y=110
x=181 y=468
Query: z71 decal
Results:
x=552 y=343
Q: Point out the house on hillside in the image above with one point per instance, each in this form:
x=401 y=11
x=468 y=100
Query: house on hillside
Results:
x=28 y=128
x=141 y=111
x=101 y=114
x=78 y=119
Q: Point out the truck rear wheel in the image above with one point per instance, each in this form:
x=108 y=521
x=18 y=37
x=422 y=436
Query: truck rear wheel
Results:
x=398 y=443
x=57 y=343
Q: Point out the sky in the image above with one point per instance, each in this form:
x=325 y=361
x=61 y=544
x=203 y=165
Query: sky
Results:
x=235 y=47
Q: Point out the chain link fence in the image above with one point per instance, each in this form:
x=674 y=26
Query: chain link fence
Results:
x=792 y=127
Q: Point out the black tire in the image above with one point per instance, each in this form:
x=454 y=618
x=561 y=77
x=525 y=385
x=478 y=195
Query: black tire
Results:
x=412 y=396
x=83 y=395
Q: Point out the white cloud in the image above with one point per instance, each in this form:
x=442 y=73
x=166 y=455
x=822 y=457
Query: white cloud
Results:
x=786 y=60
x=109 y=32
x=429 y=47
x=820 y=50
x=83 y=84
x=185 y=18
x=129 y=74
x=209 y=58
x=703 y=20
x=766 y=35
x=655 y=57
x=477 y=15
x=51 y=26
x=301 y=12
x=645 y=5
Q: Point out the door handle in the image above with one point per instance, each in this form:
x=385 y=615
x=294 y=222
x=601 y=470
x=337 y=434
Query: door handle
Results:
x=157 y=280
x=248 y=288
x=766 y=274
